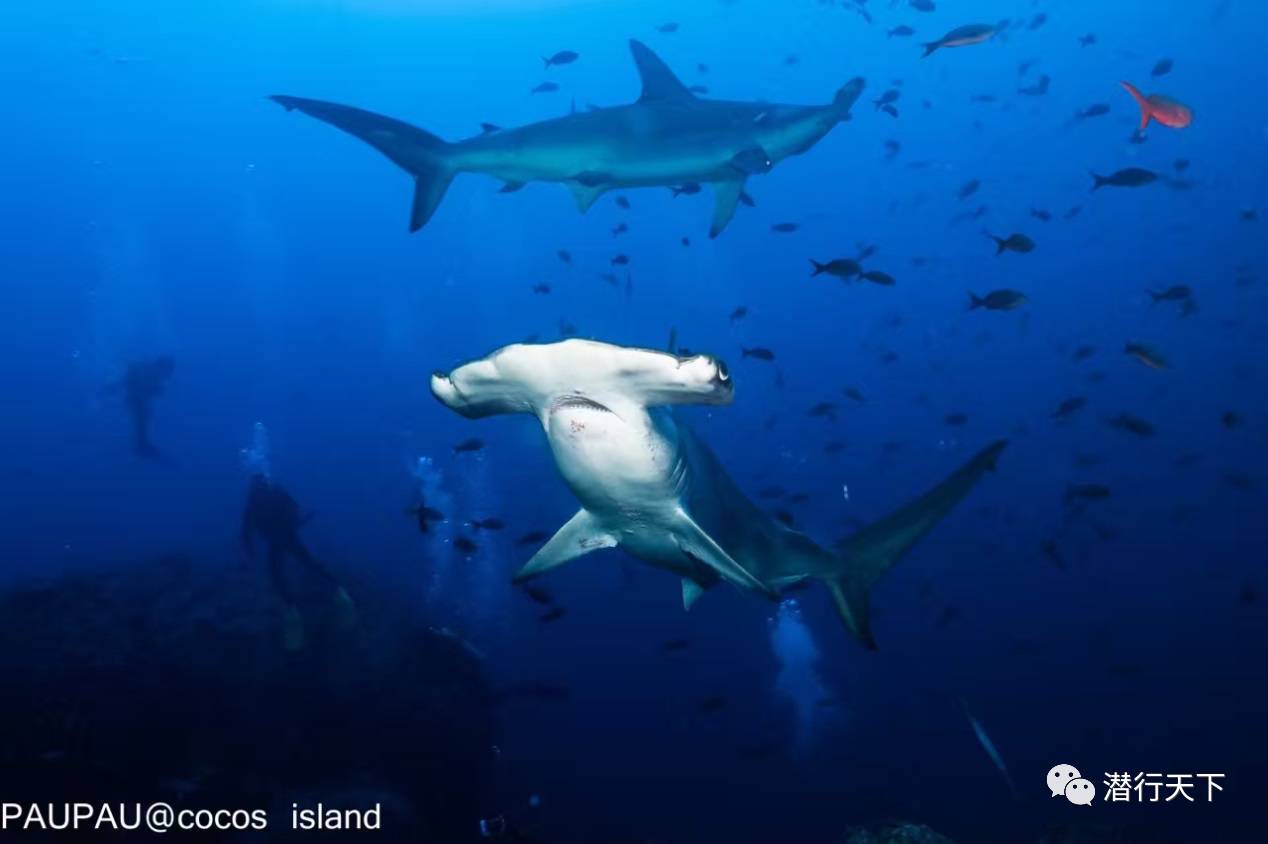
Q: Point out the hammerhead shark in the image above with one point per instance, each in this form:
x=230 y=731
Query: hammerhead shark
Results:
x=649 y=485
x=668 y=137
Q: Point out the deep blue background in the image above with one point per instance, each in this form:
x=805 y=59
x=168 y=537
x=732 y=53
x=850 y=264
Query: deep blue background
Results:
x=153 y=201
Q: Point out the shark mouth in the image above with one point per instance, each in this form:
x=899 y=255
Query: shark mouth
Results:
x=577 y=403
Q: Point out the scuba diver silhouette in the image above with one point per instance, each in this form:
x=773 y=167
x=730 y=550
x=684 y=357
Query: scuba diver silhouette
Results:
x=141 y=384
x=274 y=516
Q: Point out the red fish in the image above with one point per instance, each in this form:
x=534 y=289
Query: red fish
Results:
x=1158 y=107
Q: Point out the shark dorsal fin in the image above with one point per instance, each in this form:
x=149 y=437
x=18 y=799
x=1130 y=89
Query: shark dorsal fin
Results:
x=659 y=82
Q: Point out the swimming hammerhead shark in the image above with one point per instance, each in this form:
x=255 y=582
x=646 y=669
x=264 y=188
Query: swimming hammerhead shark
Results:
x=647 y=484
x=667 y=137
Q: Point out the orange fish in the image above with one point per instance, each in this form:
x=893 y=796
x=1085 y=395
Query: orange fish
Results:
x=1158 y=107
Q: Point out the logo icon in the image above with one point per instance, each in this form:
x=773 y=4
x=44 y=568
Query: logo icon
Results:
x=1066 y=780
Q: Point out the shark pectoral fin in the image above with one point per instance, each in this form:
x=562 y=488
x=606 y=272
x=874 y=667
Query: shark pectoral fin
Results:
x=698 y=545
x=586 y=195
x=580 y=535
x=726 y=195
x=691 y=592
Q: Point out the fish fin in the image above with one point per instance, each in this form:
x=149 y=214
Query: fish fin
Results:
x=1098 y=181
x=726 y=195
x=659 y=82
x=586 y=195
x=511 y=187
x=416 y=151
x=698 y=545
x=579 y=536
x=929 y=48
x=691 y=592
x=1145 y=112
x=871 y=552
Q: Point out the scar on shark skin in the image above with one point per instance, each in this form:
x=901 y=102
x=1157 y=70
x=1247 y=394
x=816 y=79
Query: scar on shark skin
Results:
x=648 y=484
x=669 y=136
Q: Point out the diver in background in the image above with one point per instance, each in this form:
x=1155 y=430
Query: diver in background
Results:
x=274 y=516
x=141 y=384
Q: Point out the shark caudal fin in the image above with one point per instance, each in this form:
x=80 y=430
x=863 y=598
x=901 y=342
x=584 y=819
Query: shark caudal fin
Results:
x=871 y=552
x=419 y=153
x=1145 y=110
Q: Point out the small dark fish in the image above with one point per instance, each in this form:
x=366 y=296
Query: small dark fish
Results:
x=824 y=409
x=544 y=88
x=1040 y=214
x=878 y=277
x=466 y=546
x=1145 y=355
x=890 y=110
x=565 y=256
x=674 y=646
x=1086 y=492
x=686 y=241
x=689 y=189
x=424 y=516
x=949 y=614
x=561 y=58
x=470 y=445
x=1249 y=595
x=620 y=260
x=866 y=250
x=1130 y=177
x=668 y=28
x=892 y=148
x=1162 y=68
x=1072 y=212
x=533 y=537
x=1248 y=215
x=1230 y=419
x=541 y=288
x=1132 y=425
x=739 y=313
x=1094 y=110
x=1239 y=480
x=890 y=96
x=955 y=419
x=1069 y=407
x=784 y=228
x=553 y=614
x=1175 y=293
x=853 y=393
x=900 y=31
x=619 y=229
x=539 y=595
x=1087 y=40
x=983 y=98
x=922 y=5
x=1038 y=89
x=1037 y=21
x=487 y=128
x=1019 y=243
x=567 y=329
x=488 y=524
x=968 y=188
x=622 y=202
x=756 y=352
x=842 y=268
x=998 y=300
x=1051 y=553
x=701 y=67
x=785 y=518
x=712 y=704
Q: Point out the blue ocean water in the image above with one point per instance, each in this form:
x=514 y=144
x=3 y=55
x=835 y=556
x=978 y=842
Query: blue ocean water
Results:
x=156 y=203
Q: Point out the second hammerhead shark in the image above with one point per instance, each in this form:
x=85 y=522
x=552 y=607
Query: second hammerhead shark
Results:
x=667 y=137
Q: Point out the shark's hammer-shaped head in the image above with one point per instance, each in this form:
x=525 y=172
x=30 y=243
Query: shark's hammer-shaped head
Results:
x=529 y=377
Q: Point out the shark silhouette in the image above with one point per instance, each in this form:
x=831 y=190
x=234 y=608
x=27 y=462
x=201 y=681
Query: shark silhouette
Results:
x=667 y=137
x=646 y=483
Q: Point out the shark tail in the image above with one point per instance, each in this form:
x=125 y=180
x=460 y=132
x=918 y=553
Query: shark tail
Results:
x=871 y=552
x=420 y=153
